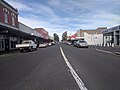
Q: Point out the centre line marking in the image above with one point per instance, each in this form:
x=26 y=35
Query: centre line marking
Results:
x=74 y=74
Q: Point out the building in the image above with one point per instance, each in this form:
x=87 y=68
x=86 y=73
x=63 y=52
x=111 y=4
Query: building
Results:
x=111 y=36
x=43 y=32
x=13 y=32
x=72 y=37
x=28 y=33
x=44 y=35
x=8 y=26
x=93 y=37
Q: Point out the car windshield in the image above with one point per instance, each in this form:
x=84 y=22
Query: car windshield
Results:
x=82 y=41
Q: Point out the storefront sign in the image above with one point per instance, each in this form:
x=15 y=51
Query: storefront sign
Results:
x=111 y=29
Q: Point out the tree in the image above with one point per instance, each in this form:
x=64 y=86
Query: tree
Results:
x=56 y=37
x=64 y=36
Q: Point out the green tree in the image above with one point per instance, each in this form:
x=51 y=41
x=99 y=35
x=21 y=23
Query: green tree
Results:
x=64 y=36
x=56 y=37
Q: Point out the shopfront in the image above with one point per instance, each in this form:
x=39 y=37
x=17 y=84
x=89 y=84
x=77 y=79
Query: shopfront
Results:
x=2 y=45
x=7 y=42
x=111 y=36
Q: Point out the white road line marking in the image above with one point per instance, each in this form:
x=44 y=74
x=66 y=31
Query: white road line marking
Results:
x=74 y=74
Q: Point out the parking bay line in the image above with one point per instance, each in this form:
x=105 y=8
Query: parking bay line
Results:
x=74 y=74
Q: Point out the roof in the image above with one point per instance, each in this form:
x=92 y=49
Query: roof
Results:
x=41 y=30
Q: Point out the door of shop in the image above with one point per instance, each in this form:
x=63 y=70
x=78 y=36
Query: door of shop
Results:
x=117 y=39
x=117 y=36
x=6 y=44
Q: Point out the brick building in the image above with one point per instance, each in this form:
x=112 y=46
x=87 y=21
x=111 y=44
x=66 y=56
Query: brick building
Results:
x=13 y=32
x=8 y=26
x=43 y=32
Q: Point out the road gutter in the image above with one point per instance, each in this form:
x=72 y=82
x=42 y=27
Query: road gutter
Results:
x=74 y=74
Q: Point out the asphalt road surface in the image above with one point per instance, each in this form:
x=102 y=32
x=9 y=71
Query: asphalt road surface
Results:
x=46 y=69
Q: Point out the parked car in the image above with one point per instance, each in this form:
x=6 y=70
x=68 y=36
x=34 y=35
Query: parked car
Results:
x=53 y=43
x=81 y=43
x=42 y=45
x=49 y=43
x=74 y=43
x=27 y=45
x=69 y=43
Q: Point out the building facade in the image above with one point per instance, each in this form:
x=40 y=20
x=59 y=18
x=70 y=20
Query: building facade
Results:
x=13 y=32
x=93 y=37
x=8 y=24
x=43 y=32
x=111 y=36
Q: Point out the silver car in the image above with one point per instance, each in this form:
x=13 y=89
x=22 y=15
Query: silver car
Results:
x=81 y=43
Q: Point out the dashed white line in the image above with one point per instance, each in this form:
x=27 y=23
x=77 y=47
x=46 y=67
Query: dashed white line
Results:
x=74 y=74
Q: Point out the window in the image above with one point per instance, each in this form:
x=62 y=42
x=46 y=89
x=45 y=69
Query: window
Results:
x=13 y=20
x=5 y=17
x=13 y=44
x=1 y=44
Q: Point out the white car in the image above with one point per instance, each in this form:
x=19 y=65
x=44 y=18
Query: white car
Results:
x=42 y=45
x=81 y=43
x=49 y=43
x=27 y=45
x=69 y=43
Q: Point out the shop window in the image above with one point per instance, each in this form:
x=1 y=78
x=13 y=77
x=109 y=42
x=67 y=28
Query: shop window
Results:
x=5 y=17
x=13 y=44
x=2 y=43
x=13 y=20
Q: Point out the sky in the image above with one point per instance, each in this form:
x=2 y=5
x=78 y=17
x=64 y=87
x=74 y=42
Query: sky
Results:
x=58 y=16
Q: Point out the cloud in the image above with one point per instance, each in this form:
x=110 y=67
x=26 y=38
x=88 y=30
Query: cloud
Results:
x=43 y=10
x=71 y=15
x=21 y=6
x=54 y=2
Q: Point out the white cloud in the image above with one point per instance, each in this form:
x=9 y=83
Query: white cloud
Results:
x=58 y=16
x=43 y=10
x=54 y=2
x=19 y=5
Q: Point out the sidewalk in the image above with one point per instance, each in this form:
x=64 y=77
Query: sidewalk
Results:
x=114 y=50
x=8 y=52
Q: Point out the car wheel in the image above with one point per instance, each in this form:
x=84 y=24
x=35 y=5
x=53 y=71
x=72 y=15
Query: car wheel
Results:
x=21 y=51
x=30 y=49
x=36 y=48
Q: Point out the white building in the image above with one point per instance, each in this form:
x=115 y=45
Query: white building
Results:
x=93 y=37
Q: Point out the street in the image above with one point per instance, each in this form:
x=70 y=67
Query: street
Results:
x=46 y=69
